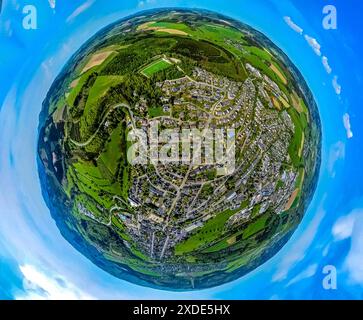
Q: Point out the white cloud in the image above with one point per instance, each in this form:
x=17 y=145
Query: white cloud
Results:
x=143 y=3
x=314 y=44
x=337 y=152
x=307 y=273
x=325 y=251
x=353 y=262
x=52 y=3
x=82 y=8
x=298 y=248
x=326 y=65
x=347 y=125
x=40 y=286
x=343 y=228
x=351 y=226
x=5 y=26
x=337 y=87
x=293 y=25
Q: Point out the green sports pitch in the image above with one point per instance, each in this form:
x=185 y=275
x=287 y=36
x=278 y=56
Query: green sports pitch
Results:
x=155 y=67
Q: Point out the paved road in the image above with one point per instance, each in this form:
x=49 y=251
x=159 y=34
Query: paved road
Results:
x=87 y=142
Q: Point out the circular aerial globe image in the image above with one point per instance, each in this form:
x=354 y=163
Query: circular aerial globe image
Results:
x=179 y=149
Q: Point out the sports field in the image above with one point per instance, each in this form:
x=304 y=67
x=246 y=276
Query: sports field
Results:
x=155 y=67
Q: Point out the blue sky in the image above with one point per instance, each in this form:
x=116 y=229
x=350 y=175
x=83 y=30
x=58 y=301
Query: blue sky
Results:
x=36 y=262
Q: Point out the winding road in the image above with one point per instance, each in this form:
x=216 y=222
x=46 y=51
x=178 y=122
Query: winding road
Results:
x=89 y=140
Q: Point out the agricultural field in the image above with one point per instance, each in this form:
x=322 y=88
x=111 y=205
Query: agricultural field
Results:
x=207 y=234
